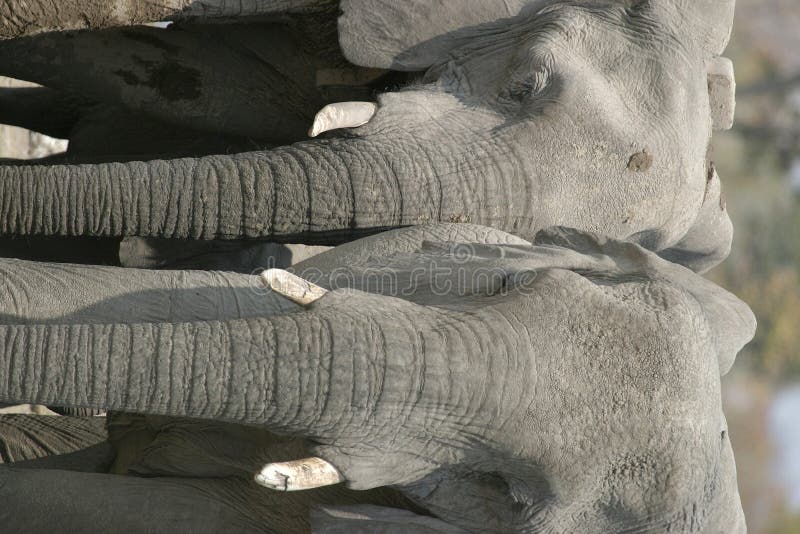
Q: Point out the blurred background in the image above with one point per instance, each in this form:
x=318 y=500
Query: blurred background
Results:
x=759 y=163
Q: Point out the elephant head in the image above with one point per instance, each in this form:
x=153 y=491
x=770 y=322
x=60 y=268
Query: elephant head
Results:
x=515 y=115
x=572 y=384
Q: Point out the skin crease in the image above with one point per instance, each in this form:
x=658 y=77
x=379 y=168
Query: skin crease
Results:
x=555 y=105
x=557 y=392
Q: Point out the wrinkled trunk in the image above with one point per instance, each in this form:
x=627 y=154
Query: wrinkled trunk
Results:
x=287 y=192
x=355 y=371
x=33 y=438
x=324 y=192
x=300 y=373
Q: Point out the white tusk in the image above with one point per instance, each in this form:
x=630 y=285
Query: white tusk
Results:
x=160 y=25
x=342 y=115
x=721 y=92
x=299 y=475
x=292 y=286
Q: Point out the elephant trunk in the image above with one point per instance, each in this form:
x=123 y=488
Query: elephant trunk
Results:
x=331 y=190
x=312 y=373
x=321 y=192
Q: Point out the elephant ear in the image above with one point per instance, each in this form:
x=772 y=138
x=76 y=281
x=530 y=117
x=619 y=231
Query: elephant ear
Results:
x=708 y=22
x=414 y=34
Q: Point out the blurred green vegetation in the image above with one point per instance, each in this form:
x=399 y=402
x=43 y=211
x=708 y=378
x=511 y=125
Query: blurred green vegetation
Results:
x=754 y=161
x=784 y=522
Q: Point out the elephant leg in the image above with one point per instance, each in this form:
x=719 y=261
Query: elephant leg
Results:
x=40 y=109
x=28 y=437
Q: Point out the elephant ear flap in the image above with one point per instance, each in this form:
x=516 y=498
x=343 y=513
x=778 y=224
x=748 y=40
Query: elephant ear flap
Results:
x=713 y=22
x=412 y=35
x=708 y=22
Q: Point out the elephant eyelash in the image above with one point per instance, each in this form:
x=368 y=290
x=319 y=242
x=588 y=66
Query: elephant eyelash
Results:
x=519 y=91
x=536 y=82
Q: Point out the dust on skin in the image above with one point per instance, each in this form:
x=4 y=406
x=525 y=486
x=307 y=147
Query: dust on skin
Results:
x=641 y=161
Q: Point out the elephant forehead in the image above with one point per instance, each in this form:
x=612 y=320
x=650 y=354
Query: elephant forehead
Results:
x=630 y=328
x=641 y=490
x=625 y=400
x=621 y=68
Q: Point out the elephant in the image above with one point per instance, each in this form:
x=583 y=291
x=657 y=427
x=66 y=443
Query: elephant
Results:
x=469 y=385
x=456 y=378
x=518 y=115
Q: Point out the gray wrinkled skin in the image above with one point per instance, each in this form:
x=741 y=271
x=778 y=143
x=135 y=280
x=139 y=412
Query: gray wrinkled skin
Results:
x=515 y=115
x=570 y=385
x=462 y=378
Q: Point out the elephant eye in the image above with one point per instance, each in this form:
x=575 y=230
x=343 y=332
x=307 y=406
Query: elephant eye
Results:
x=521 y=89
x=536 y=78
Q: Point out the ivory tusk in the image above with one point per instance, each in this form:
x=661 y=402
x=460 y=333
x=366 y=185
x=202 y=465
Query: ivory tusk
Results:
x=305 y=474
x=721 y=92
x=292 y=286
x=342 y=115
